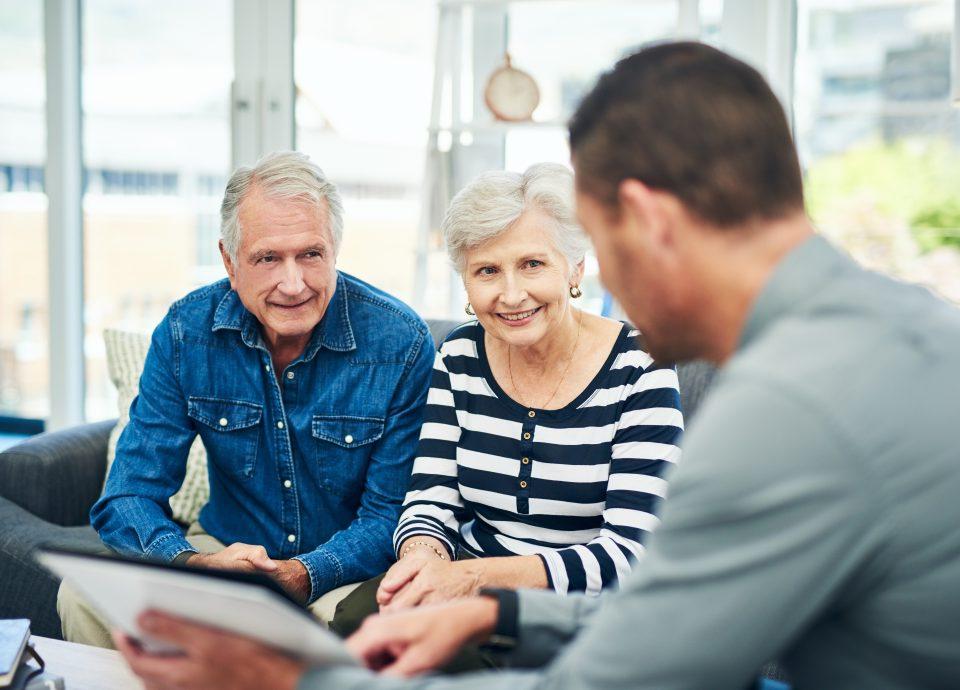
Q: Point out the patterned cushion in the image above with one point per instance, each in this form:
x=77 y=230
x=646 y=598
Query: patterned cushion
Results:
x=126 y=353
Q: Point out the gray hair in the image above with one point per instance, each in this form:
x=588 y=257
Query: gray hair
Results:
x=494 y=201
x=279 y=175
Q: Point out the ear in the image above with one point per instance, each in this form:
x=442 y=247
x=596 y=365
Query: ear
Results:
x=649 y=212
x=576 y=276
x=228 y=265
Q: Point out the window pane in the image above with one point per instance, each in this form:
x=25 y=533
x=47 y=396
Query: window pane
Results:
x=156 y=80
x=878 y=137
x=364 y=75
x=24 y=370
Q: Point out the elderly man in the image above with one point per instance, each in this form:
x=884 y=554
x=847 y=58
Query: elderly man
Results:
x=306 y=386
x=814 y=517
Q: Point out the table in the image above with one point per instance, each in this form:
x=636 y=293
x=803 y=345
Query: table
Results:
x=84 y=667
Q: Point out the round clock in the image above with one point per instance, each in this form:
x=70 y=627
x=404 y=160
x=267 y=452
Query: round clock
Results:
x=511 y=94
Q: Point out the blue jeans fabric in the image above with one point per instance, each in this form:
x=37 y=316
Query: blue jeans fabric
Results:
x=312 y=463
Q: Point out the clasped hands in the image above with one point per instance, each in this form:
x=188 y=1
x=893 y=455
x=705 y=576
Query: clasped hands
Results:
x=423 y=577
x=248 y=558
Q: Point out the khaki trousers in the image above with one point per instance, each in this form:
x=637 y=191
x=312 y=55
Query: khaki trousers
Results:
x=82 y=623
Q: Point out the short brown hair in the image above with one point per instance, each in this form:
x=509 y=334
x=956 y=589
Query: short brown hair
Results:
x=693 y=121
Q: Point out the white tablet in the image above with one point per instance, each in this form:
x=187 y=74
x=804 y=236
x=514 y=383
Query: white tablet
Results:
x=121 y=588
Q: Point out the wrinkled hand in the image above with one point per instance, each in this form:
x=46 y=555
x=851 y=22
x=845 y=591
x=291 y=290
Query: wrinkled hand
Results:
x=247 y=558
x=211 y=659
x=415 y=580
x=415 y=641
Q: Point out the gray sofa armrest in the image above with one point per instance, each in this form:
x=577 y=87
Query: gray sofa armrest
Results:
x=57 y=476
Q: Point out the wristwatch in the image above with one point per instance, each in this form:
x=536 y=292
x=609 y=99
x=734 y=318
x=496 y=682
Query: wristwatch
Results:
x=504 y=635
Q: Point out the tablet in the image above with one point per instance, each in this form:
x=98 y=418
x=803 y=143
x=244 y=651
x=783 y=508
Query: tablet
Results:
x=250 y=604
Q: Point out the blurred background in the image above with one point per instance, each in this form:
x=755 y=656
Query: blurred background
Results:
x=120 y=121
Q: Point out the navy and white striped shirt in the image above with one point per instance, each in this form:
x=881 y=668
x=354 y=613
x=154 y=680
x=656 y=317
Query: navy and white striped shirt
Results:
x=578 y=486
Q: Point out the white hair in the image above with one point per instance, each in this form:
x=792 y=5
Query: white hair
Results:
x=279 y=175
x=494 y=201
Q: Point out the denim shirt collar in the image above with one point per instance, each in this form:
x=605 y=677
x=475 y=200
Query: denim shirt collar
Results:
x=334 y=331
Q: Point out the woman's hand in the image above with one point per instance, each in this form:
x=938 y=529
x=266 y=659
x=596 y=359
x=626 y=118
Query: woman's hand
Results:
x=417 y=580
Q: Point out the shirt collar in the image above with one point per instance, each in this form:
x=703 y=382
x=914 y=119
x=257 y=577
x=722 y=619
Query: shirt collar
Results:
x=334 y=331
x=801 y=273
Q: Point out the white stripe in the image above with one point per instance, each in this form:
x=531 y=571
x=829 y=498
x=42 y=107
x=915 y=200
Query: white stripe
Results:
x=580 y=474
x=418 y=528
x=487 y=463
x=575 y=436
x=444 y=515
x=636 y=548
x=652 y=380
x=558 y=571
x=551 y=536
x=461 y=347
x=435 y=494
x=633 y=358
x=625 y=517
x=440 y=432
x=652 y=416
x=489 y=425
x=439 y=396
x=441 y=466
x=546 y=506
x=645 y=450
x=488 y=498
x=641 y=483
x=591 y=567
x=475 y=385
x=466 y=532
x=620 y=561
x=633 y=334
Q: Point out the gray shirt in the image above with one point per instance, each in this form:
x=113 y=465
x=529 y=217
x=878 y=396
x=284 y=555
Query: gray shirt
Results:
x=815 y=517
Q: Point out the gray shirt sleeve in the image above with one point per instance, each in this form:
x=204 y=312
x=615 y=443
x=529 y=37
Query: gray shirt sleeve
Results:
x=766 y=521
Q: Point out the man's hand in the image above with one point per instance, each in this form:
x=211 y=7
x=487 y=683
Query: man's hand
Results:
x=211 y=659
x=247 y=558
x=413 y=642
x=416 y=581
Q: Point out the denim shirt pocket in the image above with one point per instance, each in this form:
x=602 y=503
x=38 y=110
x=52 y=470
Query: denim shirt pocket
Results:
x=343 y=447
x=230 y=430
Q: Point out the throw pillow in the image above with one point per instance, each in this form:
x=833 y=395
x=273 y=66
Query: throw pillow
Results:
x=126 y=353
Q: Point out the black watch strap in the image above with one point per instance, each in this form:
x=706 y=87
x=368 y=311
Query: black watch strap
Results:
x=504 y=635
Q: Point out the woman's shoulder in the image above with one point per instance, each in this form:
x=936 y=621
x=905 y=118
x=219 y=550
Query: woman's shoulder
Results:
x=462 y=340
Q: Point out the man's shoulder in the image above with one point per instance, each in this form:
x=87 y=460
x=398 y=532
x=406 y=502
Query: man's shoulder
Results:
x=200 y=305
x=379 y=319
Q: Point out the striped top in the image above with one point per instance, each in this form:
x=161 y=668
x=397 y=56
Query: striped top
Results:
x=578 y=486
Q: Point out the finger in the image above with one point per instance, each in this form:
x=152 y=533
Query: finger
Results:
x=410 y=596
x=155 y=670
x=398 y=576
x=257 y=555
x=177 y=631
x=411 y=662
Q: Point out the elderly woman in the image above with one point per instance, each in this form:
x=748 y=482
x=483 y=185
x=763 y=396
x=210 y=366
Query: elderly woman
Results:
x=547 y=430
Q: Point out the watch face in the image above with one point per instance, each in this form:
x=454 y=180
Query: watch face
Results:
x=512 y=94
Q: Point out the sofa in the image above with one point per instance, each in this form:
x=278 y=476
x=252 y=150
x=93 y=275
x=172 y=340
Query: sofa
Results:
x=49 y=482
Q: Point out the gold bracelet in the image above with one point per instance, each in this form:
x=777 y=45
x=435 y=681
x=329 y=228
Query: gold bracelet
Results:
x=433 y=548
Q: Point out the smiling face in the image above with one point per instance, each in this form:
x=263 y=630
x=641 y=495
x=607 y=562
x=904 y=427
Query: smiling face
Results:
x=519 y=283
x=285 y=271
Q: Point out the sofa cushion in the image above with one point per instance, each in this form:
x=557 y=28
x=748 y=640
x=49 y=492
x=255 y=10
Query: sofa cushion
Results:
x=126 y=353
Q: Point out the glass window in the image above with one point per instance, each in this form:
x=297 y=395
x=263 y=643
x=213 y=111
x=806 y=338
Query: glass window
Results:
x=364 y=74
x=24 y=359
x=156 y=90
x=878 y=137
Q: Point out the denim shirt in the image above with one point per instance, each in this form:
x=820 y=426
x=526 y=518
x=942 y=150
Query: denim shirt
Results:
x=313 y=466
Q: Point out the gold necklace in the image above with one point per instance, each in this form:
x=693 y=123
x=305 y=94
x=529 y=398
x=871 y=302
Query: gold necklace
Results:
x=516 y=390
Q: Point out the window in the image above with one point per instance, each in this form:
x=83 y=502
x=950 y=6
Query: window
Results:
x=156 y=79
x=878 y=137
x=24 y=359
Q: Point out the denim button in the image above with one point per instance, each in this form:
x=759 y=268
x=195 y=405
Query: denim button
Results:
x=348 y=439
x=223 y=421
x=287 y=483
x=291 y=538
x=290 y=375
x=279 y=425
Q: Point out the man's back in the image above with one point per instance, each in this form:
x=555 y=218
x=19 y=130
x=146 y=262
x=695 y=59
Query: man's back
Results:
x=874 y=364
